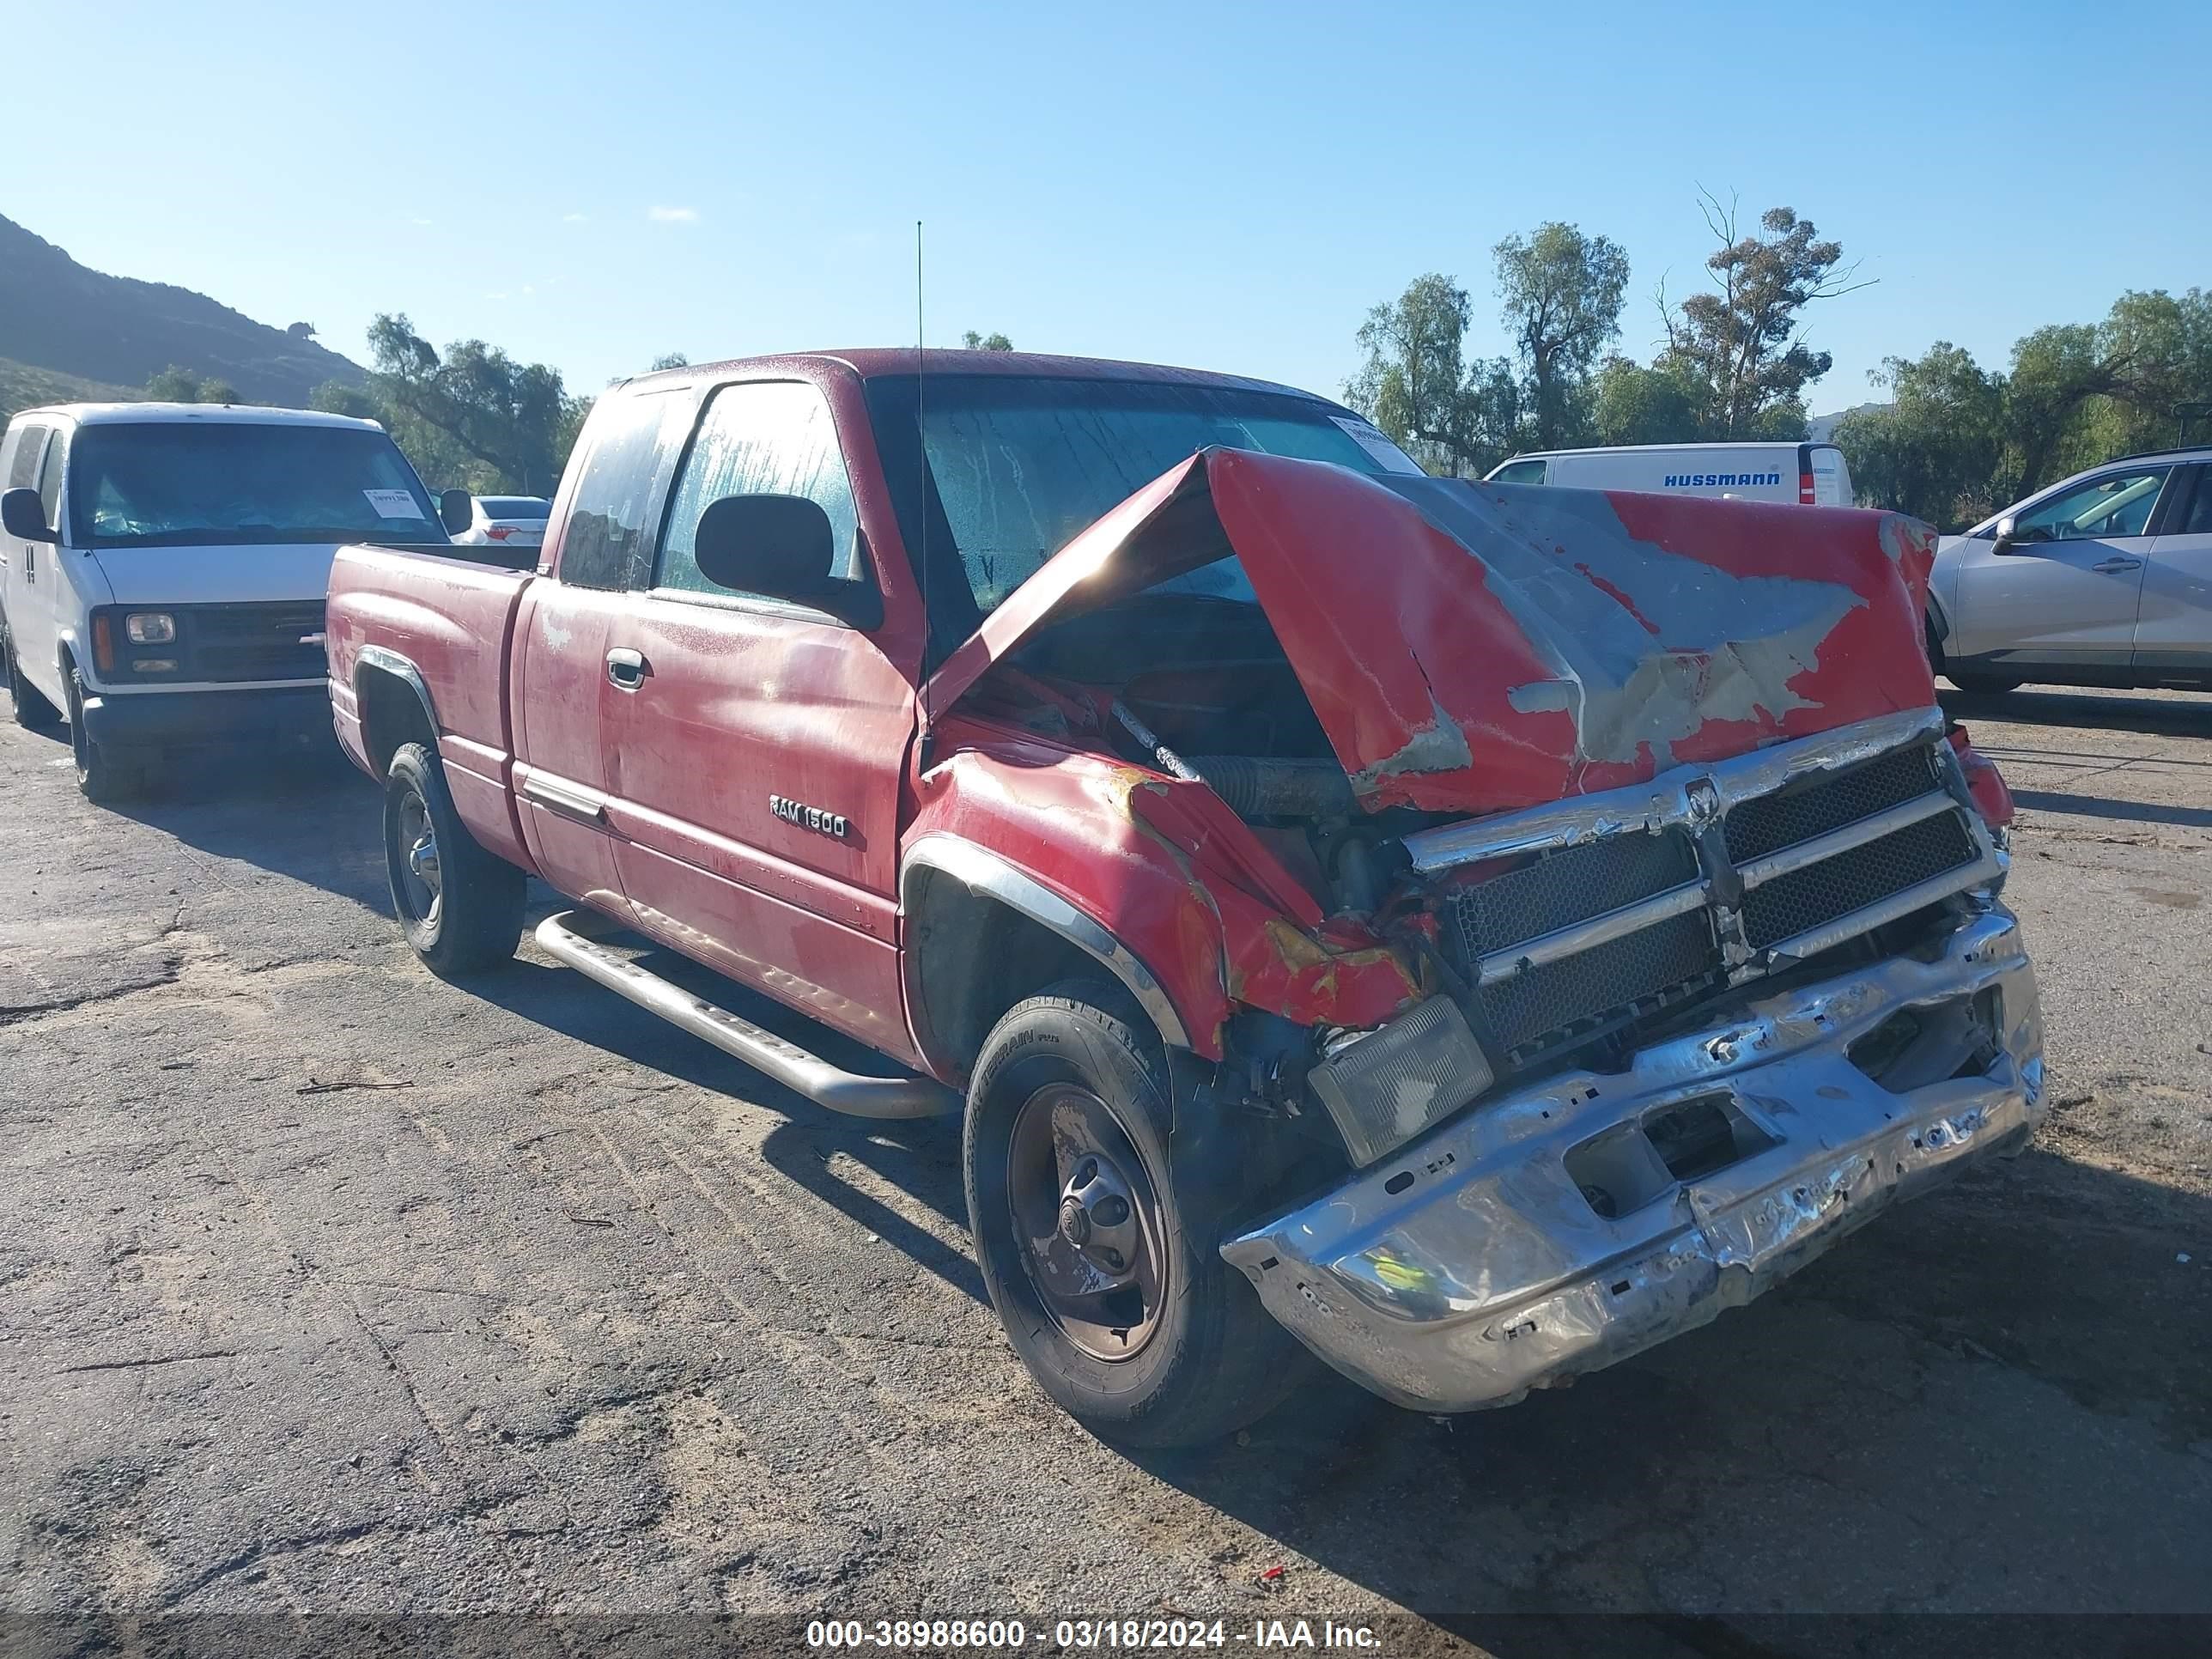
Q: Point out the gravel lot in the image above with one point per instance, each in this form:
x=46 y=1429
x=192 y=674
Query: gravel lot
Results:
x=327 y=1287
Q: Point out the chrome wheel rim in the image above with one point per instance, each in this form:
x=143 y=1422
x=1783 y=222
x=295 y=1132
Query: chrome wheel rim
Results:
x=1087 y=1220
x=421 y=877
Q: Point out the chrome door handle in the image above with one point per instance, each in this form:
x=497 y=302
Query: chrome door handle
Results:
x=627 y=669
x=2120 y=561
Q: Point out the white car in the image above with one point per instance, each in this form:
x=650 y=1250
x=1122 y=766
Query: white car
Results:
x=1809 y=475
x=502 y=521
x=2103 y=579
x=165 y=568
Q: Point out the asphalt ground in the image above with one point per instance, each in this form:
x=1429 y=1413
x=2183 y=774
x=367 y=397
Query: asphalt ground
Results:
x=329 y=1289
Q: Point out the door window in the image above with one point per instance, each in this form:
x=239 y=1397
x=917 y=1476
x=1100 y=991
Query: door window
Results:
x=2199 y=521
x=23 y=469
x=1519 y=472
x=766 y=438
x=2118 y=504
x=49 y=482
x=608 y=538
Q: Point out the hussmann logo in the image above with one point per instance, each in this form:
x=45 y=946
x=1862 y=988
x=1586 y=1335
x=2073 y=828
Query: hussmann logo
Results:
x=1720 y=480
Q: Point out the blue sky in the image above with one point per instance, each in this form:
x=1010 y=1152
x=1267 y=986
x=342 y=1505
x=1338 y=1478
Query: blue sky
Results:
x=1225 y=187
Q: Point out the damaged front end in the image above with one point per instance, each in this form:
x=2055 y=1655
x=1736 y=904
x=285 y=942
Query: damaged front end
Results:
x=1708 y=1028
x=1593 y=874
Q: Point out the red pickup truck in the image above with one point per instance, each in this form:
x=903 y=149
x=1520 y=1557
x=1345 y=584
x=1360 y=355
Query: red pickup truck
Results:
x=1480 y=931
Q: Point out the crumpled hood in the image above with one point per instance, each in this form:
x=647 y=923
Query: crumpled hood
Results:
x=1478 y=647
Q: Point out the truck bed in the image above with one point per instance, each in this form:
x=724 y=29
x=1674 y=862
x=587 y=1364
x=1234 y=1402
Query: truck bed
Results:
x=435 y=625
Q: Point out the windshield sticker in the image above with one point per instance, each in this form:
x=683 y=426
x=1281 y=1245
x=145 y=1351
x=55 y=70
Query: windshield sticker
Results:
x=393 y=503
x=1379 y=448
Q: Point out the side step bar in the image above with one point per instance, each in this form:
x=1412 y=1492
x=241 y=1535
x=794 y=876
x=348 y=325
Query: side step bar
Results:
x=575 y=937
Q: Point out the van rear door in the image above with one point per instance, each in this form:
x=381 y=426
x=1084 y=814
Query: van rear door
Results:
x=1823 y=477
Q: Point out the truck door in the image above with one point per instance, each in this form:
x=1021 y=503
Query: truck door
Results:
x=756 y=747
x=563 y=634
x=2064 y=593
x=2173 y=629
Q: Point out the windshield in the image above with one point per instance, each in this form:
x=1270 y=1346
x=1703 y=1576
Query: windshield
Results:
x=514 y=506
x=225 y=484
x=1018 y=467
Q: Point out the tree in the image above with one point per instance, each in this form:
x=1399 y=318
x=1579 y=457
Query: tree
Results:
x=671 y=360
x=1632 y=405
x=1563 y=294
x=179 y=385
x=976 y=342
x=1934 y=451
x=474 y=412
x=338 y=398
x=1451 y=415
x=1744 y=343
x=1956 y=443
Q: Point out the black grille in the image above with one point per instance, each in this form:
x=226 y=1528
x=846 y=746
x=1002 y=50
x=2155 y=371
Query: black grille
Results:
x=1770 y=823
x=1627 y=982
x=1560 y=889
x=250 y=641
x=1585 y=995
x=1823 y=892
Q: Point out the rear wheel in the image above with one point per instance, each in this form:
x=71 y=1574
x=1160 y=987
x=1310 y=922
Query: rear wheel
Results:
x=106 y=772
x=31 y=709
x=460 y=906
x=1104 y=1267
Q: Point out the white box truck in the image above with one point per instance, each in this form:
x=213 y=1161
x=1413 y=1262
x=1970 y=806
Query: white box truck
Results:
x=1812 y=475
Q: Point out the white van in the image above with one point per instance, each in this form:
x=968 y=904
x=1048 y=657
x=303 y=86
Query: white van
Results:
x=1810 y=475
x=165 y=566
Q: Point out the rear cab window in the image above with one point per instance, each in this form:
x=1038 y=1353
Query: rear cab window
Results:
x=606 y=540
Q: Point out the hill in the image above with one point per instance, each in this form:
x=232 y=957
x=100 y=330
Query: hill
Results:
x=60 y=316
x=22 y=386
x=1821 y=429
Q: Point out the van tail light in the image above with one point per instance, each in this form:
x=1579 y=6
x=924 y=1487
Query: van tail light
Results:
x=1805 y=489
x=1983 y=781
x=103 y=645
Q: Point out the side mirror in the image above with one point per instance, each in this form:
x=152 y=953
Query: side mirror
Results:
x=23 y=516
x=781 y=547
x=2007 y=534
x=455 y=508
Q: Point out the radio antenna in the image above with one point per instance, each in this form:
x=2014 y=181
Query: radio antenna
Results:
x=921 y=454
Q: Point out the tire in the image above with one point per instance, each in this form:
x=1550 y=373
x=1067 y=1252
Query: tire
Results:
x=1183 y=1353
x=460 y=906
x=107 y=774
x=29 y=706
x=1989 y=686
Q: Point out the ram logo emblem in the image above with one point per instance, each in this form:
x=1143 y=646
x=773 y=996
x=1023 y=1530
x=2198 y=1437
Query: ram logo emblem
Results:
x=809 y=817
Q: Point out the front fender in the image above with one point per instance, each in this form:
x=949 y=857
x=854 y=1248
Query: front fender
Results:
x=1155 y=878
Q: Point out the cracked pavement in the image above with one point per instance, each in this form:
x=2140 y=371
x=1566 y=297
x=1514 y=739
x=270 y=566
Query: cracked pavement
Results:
x=331 y=1287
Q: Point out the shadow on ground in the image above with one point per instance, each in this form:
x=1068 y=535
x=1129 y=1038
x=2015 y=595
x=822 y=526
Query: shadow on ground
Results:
x=2159 y=716
x=307 y=814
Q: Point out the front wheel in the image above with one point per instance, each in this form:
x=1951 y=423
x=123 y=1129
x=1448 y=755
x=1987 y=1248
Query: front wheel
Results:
x=1104 y=1267
x=1984 y=684
x=107 y=774
x=460 y=906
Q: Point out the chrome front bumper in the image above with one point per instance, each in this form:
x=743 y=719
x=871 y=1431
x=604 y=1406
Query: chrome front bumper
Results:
x=1488 y=1272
